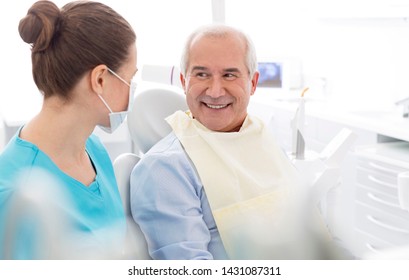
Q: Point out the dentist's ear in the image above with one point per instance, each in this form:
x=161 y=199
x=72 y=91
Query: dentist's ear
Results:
x=98 y=75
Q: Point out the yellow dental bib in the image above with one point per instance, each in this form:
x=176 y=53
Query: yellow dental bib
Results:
x=247 y=180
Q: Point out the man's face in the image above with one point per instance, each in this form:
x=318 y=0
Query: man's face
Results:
x=217 y=82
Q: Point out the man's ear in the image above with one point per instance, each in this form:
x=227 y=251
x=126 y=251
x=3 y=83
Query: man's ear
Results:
x=98 y=78
x=254 y=82
x=183 y=82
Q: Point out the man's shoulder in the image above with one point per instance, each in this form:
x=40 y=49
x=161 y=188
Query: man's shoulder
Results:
x=170 y=144
x=167 y=154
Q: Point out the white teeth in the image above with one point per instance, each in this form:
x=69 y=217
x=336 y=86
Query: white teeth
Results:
x=216 y=106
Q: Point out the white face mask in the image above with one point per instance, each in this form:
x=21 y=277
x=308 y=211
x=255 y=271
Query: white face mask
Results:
x=117 y=118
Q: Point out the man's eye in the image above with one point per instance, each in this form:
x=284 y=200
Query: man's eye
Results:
x=201 y=75
x=230 y=76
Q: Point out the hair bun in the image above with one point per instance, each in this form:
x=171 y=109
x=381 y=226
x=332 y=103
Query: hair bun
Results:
x=39 y=25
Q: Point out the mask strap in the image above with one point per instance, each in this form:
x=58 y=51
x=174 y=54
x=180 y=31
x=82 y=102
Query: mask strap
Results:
x=116 y=75
x=106 y=104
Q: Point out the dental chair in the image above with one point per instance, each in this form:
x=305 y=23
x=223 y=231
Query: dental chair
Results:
x=147 y=125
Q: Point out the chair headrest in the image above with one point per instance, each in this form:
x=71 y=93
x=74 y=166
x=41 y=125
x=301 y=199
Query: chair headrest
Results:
x=146 y=120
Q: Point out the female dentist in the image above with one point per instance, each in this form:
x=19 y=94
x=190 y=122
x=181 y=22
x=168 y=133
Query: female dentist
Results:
x=83 y=62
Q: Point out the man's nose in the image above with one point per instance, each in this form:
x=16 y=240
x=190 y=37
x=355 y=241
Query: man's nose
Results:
x=215 y=87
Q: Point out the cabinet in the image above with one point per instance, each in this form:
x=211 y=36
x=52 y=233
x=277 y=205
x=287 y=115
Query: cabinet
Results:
x=379 y=222
x=363 y=211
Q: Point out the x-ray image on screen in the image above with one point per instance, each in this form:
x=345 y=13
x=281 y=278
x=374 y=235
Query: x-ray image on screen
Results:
x=270 y=74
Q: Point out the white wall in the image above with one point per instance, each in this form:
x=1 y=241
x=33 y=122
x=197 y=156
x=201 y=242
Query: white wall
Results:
x=358 y=46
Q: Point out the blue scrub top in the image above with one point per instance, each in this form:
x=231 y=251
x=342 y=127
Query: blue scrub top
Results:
x=89 y=211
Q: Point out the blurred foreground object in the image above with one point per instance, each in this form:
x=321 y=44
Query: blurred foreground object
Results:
x=40 y=224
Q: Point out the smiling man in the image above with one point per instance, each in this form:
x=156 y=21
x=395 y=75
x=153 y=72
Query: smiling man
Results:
x=214 y=187
x=219 y=78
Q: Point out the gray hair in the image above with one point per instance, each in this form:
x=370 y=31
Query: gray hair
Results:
x=221 y=31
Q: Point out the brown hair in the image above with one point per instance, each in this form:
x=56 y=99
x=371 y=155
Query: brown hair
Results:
x=69 y=42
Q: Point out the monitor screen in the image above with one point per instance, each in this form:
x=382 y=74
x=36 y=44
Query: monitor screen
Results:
x=270 y=74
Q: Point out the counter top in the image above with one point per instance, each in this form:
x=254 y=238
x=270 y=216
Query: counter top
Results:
x=387 y=122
